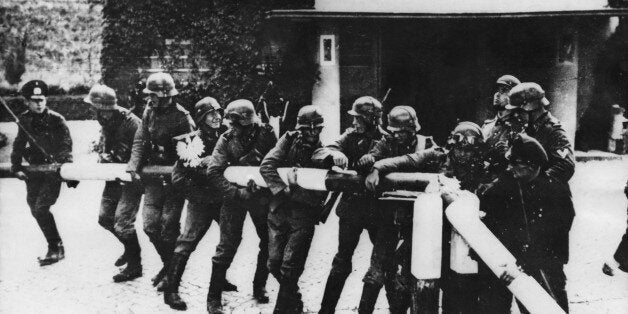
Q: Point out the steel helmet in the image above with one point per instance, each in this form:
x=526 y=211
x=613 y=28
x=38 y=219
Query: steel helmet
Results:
x=508 y=80
x=403 y=118
x=205 y=106
x=466 y=133
x=309 y=117
x=102 y=97
x=369 y=108
x=161 y=84
x=242 y=111
x=527 y=96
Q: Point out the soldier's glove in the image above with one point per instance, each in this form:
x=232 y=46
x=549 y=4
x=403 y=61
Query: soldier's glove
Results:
x=372 y=180
x=72 y=183
x=340 y=160
x=21 y=175
x=252 y=187
x=366 y=161
x=243 y=194
x=292 y=177
x=135 y=177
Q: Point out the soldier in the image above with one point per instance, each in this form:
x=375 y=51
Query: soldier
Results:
x=462 y=159
x=188 y=176
x=43 y=138
x=120 y=202
x=293 y=210
x=245 y=144
x=403 y=123
x=620 y=258
x=531 y=215
x=529 y=105
x=153 y=145
x=500 y=130
x=357 y=211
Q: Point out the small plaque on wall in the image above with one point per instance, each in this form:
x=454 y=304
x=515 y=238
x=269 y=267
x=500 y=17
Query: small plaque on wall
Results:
x=327 y=47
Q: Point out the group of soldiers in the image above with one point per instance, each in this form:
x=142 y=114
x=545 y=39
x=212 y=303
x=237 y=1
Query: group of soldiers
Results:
x=518 y=163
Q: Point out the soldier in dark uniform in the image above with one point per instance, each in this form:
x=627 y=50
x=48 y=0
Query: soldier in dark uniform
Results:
x=529 y=105
x=357 y=211
x=50 y=143
x=531 y=215
x=293 y=210
x=499 y=130
x=396 y=218
x=154 y=145
x=120 y=202
x=463 y=159
x=620 y=258
x=245 y=144
x=188 y=176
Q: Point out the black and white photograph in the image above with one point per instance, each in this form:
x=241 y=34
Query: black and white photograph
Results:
x=314 y=156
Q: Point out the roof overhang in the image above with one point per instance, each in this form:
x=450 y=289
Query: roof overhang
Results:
x=318 y=15
x=449 y=9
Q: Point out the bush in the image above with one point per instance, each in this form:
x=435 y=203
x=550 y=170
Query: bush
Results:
x=71 y=107
x=228 y=33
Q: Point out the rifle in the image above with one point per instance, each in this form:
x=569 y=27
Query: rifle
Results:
x=32 y=139
x=261 y=102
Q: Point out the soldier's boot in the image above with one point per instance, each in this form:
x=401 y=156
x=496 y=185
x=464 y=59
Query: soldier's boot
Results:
x=297 y=303
x=172 y=281
x=284 y=299
x=122 y=259
x=165 y=251
x=229 y=286
x=333 y=290
x=55 y=253
x=370 y=292
x=216 y=283
x=259 y=283
x=133 y=267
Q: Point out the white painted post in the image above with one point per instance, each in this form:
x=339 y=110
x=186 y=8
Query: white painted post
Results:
x=326 y=92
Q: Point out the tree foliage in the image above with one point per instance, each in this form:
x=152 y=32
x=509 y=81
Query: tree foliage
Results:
x=228 y=34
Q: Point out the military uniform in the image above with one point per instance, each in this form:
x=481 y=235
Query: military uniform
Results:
x=356 y=211
x=188 y=176
x=390 y=262
x=292 y=216
x=154 y=145
x=247 y=150
x=120 y=203
x=550 y=133
x=533 y=222
x=50 y=131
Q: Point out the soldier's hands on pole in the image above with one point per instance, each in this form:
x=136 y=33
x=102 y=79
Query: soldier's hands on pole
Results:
x=340 y=159
x=372 y=180
x=135 y=177
x=366 y=161
x=292 y=177
x=21 y=175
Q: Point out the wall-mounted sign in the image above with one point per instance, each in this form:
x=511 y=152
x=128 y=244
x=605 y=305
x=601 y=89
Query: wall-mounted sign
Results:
x=327 y=47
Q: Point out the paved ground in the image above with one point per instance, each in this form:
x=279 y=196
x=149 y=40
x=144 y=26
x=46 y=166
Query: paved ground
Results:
x=82 y=282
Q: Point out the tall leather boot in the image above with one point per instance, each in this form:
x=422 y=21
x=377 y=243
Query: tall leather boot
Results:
x=172 y=281
x=370 y=292
x=214 y=295
x=333 y=290
x=122 y=259
x=259 y=282
x=133 y=267
x=55 y=253
x=166 y=256
x=160 y=251
x=284 y=299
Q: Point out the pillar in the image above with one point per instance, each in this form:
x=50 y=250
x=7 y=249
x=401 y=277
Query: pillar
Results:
x=326 y=91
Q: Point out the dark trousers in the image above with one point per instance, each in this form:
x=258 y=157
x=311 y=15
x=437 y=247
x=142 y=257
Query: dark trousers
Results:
x=495 y=297
x=232 y=215
x=161 y=213
x=42 y=192
x=621 y=254
x=200 y=215
x=118 y=208
x=390 y=259
x=290 y=229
